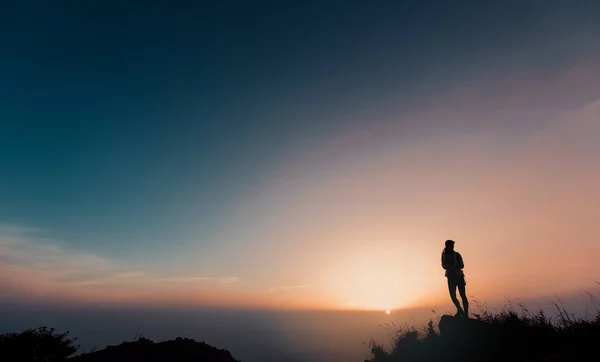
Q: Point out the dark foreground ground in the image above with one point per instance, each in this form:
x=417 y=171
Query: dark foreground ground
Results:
x=506 y=336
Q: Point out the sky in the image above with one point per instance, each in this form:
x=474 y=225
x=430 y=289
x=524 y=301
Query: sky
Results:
x=297 y=155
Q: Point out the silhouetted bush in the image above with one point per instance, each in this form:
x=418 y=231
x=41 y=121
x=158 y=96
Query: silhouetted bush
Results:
x=40 y=344
x=46 y=345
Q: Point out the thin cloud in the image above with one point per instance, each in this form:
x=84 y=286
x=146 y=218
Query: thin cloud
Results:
x=289 y=287
x=30 y=265
x=220 y=280
x=55 y=262
x=228 y=280
x=186 y=279
x=115 y=278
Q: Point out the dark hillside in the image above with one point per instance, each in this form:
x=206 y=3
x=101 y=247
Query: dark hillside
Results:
x=178 y=350
x=507 y=336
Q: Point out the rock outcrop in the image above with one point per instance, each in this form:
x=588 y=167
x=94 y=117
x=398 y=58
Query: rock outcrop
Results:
x=451 y=326
x=475 y=340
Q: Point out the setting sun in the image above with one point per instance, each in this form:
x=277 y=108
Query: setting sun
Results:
x=388 y=312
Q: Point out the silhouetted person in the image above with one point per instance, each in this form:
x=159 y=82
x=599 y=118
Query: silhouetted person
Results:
x=453 y=263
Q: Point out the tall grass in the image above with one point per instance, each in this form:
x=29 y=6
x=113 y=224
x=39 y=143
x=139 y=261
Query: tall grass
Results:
x=512 y=334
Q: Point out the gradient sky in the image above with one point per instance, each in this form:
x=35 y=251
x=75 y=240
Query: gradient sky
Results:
x=313 y=154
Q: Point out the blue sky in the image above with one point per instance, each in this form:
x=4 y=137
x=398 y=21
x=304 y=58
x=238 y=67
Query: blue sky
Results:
x=139 y=133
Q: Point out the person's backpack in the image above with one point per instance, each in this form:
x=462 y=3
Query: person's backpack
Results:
x=452 y=260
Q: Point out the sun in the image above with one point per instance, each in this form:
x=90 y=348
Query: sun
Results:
x=388 y=312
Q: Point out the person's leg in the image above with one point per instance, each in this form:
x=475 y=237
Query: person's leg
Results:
x=452 y=290
x=463 y=295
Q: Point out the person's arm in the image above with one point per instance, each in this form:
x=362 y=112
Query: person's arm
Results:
x=461 y=264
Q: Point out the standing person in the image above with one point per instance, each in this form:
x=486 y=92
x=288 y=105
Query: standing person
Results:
x=453 y=263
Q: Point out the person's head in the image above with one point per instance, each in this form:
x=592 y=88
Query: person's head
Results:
x=449 y=245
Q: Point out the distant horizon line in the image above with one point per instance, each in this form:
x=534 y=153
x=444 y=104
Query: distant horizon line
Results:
x=552 y=299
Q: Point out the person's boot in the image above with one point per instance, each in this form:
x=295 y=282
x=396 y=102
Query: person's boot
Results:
x=459 y=313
